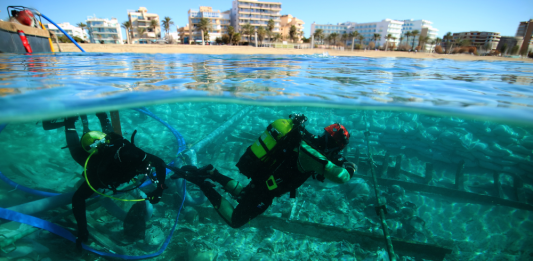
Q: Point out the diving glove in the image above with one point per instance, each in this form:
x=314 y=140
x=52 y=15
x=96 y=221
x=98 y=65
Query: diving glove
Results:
x=350 y=167
x=155 y=196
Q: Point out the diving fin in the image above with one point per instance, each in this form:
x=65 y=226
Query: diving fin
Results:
x=53 y=124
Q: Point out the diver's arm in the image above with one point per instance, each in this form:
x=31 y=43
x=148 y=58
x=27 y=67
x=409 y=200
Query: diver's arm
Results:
x=160 y=169
x=312 y=160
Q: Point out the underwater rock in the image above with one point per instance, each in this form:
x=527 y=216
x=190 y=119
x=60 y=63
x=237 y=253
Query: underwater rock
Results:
x=527 y=142
x=503 y=131
x=190 y=215
x=154 y=236
x=393 y=125
x=519 y=149
x=199 y=250
x=489 y=165
x=135 y=223
x=452 y=121
x=358 y=190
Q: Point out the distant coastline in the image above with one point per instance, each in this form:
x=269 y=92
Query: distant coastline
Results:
x=248 y=50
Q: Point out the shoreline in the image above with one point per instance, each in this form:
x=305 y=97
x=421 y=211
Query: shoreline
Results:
x=248 y=50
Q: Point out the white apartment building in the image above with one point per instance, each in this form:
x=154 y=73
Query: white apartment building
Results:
x=367 y=30
x=424 y=28
x=104 y=30
x=70 y=29
x=327 y=29
x=383 y=28
x=257 y=13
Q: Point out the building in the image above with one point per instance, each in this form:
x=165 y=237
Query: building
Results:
x=487 y=40
x=256 y=13
x=71 y=30
x=220 y=21
x=328 y=29
x=525 y=30
x=383 y=28
x=184 y=34
x=287 y=21
x=104 y=30
x=145 y=27
x=367 y=30
x=507 y=43
x=425 y=29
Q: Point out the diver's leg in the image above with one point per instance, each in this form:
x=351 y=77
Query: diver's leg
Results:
x=251 y=204
x=79 y=209
x=230 y=185
x=105 y=123
x=85 y=123
x=73 y=141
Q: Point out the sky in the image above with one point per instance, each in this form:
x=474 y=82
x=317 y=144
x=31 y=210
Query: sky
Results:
x=447 y=16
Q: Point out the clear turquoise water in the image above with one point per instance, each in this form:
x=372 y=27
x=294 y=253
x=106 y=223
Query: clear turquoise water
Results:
x=427 y=111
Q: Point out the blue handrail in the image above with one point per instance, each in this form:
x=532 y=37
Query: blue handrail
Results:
x=44 y=16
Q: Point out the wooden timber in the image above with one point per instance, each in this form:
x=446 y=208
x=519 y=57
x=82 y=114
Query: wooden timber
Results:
x=458 y=195
x=366 y=240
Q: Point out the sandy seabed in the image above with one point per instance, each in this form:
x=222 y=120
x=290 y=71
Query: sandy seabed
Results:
x=248 y=50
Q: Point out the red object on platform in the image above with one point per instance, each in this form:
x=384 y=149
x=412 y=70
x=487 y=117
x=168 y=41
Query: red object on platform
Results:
x=25 y=17
x=25 y=41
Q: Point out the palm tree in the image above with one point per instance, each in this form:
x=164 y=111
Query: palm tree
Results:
x=270 y=28
x=127 y=26
x=344 y=37
x=141 y=31
x=166 y=23
x=414 y=33
x=181 y=32
x=82 y=26
x=261 y=32
x=437 y=41
x=319 y=33
x=448 y=37
x=400 y=43
x=292 y=32
x=251 y=32
x=361 y=39
x=376 y=38
x=277 y=37
x=388 y=37
x=203 y=27
x=424 y=41
x=236 y=38
x=407 y=35
x=394 y=42
x=154 y=25
x=231 y=33
x=245 y=29
x=334 y=37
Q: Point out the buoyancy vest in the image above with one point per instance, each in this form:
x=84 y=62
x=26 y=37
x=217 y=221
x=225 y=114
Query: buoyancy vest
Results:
x=271 y=161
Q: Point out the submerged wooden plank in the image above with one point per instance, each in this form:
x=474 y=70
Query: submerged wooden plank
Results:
x=330 y=233
x=461 y=196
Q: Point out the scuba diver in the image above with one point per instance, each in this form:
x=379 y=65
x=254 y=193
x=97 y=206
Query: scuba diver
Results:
x=280 y=161
x=108 y=160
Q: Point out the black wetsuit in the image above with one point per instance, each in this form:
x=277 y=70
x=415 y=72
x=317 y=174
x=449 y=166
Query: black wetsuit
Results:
x=104 y=169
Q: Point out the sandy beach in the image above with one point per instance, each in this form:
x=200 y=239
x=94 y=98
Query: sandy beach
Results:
x=247 y=50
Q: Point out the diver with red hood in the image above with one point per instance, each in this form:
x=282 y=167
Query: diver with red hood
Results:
x=279 y=162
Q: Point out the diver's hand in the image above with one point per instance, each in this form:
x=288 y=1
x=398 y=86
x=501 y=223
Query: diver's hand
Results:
x=155 y=196
x=350 y=167
x=193 y=174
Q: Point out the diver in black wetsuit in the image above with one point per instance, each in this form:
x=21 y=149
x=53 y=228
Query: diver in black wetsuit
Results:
x=282 y=159
x=109 y=161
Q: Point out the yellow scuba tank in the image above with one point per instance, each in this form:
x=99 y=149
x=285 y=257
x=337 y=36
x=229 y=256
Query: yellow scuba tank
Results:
x=268 y=140
x=91 y=140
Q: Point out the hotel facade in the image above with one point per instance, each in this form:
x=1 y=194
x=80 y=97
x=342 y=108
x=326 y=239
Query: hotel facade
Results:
x=142 y=19
x=220 y=21
x=104 y=30
x=256 y=13
x=70 y=29
x=287 y=21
